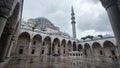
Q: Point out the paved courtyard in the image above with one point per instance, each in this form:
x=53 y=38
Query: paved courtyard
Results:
x=56 y=62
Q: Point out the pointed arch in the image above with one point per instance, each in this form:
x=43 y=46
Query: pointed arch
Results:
x=37 y=39
x=109 y=48
x=63 y=43
x=46 y=48
x=69 y=45
x=23 y=44
x=74 y=46
x=80 y=47
x=97 y=49
x=36 y=45
x=108 y=44
x=87 y=50
x=63 y=47
x=56 y=46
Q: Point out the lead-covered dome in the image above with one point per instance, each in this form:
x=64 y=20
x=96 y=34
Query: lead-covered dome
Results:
x=43 y=22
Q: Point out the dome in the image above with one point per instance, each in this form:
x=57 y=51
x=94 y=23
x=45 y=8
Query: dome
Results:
x=41 y=21
x=88 y=39
x=96 y=38
x=107 y=36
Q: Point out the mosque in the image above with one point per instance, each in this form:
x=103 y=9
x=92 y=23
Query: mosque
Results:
x=39 y=37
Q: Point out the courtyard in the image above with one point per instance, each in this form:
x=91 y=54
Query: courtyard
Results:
x=57 y=62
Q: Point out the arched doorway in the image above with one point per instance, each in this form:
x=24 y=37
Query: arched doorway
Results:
x=69 y=46
x=23 y=44
x=74 y=46
x=63 y=47
x=87 y=50
x=36 y=45
x=110 y=50
x=97 y=51
x=80 y=48
x=46 y=48
x=56 y=47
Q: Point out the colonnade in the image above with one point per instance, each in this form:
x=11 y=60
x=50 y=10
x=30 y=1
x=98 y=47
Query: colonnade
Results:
x=40 y=46
x=97 y=50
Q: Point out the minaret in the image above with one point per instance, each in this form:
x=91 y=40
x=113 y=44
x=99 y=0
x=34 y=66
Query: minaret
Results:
x=73 y=23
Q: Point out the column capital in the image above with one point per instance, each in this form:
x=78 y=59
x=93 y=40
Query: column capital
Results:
x=108 y=3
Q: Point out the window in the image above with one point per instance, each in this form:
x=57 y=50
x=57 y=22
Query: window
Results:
x=34 y=42
x=76 y=54
x=112 y=52
x=33 y=51
x=101 y=53
x=85 y=53
x=43 y=43
x=64 y=45
x=42 y=52
x=64 y=52
x=58 y=51
x=20 y=51
x=73 y=54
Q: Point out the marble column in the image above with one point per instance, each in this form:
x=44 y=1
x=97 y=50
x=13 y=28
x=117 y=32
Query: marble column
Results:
x=2 y=24
x=10 y=50
x=113 y=11
x=56 y=48
x=5 y=45
x=30 y=47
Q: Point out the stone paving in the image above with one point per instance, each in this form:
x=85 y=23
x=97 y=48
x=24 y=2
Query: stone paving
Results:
x=56 y=62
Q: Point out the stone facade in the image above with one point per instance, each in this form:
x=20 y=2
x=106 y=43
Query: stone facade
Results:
x=41 y=38
x=43 y=42
x=99 y=49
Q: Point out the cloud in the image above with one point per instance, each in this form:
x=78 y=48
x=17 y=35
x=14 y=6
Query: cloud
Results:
x=91 y=17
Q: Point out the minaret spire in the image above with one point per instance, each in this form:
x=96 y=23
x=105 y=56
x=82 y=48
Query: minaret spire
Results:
x=73 y=22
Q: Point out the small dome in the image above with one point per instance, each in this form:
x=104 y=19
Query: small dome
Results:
x=107 y=36
x=96 y=38
x=88 y=39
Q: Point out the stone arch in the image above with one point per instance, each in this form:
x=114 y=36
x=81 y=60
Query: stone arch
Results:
x=74 y=46
x=23 y=44
x=69 y=46
x=36 y=40
x=109 y=49
x=63 y=43
x=46 y=48
x=80 y=47
x=87 y=50
x=63 y=47
x=10 y=22
x=36 y=45
x=97 y=49
x=56 y=46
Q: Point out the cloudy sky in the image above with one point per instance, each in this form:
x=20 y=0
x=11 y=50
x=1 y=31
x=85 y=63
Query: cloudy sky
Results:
x=91 y=17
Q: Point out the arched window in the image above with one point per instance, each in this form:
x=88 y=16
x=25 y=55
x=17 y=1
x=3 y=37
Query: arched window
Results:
x=101 y=53
x=20 y=51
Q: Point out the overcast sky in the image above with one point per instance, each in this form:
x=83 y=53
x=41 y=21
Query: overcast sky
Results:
x=91 y=17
